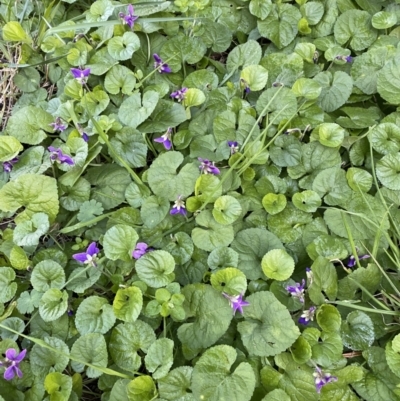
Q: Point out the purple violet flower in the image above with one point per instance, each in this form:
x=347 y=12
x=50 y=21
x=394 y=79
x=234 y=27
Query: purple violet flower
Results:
x=80 y=75
x=208 y=167
x=8 y=165
x=297 y=290
x=130 y=18
x=245 y=85
x=179 y=207
x=58 y=125
x=352 y=260
x=307 y=315
x=11 y=363
x=347 y=59
x=179 y=94
x=70 y=312
x=88 y=257
x=163 y=68
x=236 y=302
x=310 y=275
x=165 y=139
x=321 y=379
x=234 y=146
x=56 y=155
x=85 y=136
x=140 y=250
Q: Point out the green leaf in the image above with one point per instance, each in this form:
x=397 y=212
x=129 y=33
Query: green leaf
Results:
x=281 y=25
x=128 y=303
x=154 y=210
x=358 y=179
x=282 y=105
x=126 y=339
x=354 y=27
x=222 y=257
x=166 y=115
x=119 y=242
x=331 y=184
x=213 y=235
x=329 y=318
x=9 y=148
x=184 y=48
x=181 y=247
x=159 y=357
x=166 y=182
x=366 y=70
x=277 y=265
x=90 y=348
x=53 y=304
x=7 y=287
x=176 y=384
x=94 y=315
x=89 y=210
x=95 y=102
x=268 y=328
x=28 y=232
x=156 y=268
x=387 y=170
x=260 y=8
x=207 y=306
x=255 y=77
x=307 y=201
x=27 y=79
x=109 y=183
x=229 y=280
x=14 y=323
x=307 y=88
x=134 y=110
x=358 y=331
x=327 y=246
x=384 y=20
x=213 y=379
x=392 y=356
x=251 y=245
x=313 y=12
x=141 y=388
x=301 y=350
x=385 y=138
x=44 y=359
x=286 y=151
x=276 y=395
x=388 y=83
x=29 y=125
x=74 y=197
x=288 y=224
x=47 y=274
x=122 y=47
x=274 y=203
x=59 y=386
x=243 y=55
x=194 y=97
x=13 y=32
x=226 y=210
x=36 y=193
x=324 y=281
x=336 y=89
x=119 y=80
x=217 y=36
x=330 y=134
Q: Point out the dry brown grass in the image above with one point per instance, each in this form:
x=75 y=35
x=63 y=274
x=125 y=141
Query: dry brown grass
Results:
x=8 y=91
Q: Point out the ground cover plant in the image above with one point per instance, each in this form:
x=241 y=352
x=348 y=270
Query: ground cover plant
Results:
x=199 y=200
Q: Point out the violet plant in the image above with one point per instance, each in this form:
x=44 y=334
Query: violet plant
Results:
x=215 y=152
